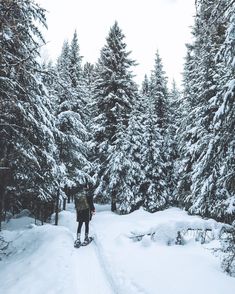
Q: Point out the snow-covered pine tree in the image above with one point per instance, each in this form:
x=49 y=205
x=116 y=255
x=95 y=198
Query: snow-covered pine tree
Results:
x=73 y=136
x=125 y=162
x=156 y=161
x=172 y=138
x=153 y=189
x=136 y=134
x=26 y=125
x=74 y=66
x=115 y=93
x=200 y=162
x=204 y=174
x=184 y=135
x=121 y=170
x=174 y=106
x=222 y=146
x=88 y=81
x=145 y=90
x=76 y=77
x=159 y=94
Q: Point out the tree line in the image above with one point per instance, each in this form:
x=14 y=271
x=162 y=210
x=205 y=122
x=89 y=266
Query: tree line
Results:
x=65 y=123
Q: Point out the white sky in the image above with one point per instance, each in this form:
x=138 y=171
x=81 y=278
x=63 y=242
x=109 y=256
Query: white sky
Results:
x=147 y=24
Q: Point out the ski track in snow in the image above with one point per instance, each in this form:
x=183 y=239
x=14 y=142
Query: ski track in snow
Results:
x=119 y=282
x=104 y=280
x=88 y=274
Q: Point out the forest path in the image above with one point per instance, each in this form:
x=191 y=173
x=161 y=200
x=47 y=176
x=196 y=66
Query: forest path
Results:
x=89 y=274
x=93 y=269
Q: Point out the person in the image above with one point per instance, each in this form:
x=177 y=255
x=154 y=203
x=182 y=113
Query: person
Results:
x=85 y=209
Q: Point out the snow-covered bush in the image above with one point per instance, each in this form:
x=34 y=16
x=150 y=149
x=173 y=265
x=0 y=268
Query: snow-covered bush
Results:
x=227 y=240
x=3 y=246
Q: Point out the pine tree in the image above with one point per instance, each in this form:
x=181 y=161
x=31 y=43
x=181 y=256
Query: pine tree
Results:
x=160 y=96
x=63 y=62
x=76 y=77
x=222 y=145
x=115 y=94
x=72 y=136
x=26 y=125
x=74 y=65
x=200 y=141
x=175 y=116
x=88 y=81
x=155 y=153
x=125 y=162
x=188 y=103
x=204 y=174
x=153 y=186
x=174 y=106
x=119 y=170
x=159 y=93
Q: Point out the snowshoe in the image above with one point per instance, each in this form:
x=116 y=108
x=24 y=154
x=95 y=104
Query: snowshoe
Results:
x=77 y=243
x=87 y=241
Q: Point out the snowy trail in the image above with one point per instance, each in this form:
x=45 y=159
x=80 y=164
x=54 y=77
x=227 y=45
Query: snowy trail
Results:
x=43 y=260
x=89 y=275
x=119 y=281
x=96 y=268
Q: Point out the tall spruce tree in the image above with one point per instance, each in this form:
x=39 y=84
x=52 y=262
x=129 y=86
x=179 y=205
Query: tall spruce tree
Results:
x=159 y=94
x=73 y=136
x=153 y=187
x=74 y=64
x=27 y=147
x=160 y=99
x=155 y=150
x=222 y=146
x=88 y=81
x=128 y=148
x=175 y=116
x=114 y=96
x=200 y=140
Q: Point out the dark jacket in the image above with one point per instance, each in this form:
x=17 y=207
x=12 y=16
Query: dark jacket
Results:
x=85 y=215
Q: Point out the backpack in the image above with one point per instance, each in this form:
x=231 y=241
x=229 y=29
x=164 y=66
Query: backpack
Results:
x=81 y=202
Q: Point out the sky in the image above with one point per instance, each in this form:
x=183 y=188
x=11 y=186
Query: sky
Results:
x=149 y=25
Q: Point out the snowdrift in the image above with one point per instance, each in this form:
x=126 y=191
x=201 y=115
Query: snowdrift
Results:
x=39 y=260
x=42 y=259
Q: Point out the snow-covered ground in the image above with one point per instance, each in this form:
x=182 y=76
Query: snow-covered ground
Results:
x=42 y=259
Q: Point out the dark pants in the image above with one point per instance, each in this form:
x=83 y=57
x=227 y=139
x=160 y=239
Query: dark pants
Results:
x=80 y=223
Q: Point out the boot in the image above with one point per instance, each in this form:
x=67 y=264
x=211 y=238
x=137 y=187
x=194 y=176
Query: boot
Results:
x=77 y=243
x=86 y=240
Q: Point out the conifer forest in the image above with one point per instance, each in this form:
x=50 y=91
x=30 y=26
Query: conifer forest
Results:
x=65 y=123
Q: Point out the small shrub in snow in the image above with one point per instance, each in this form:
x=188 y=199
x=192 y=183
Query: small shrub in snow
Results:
x=228 y=249
x=3 y=247
x=179 y=239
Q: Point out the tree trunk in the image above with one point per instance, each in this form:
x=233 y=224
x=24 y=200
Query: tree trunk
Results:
x=64 y=203
x=113 y=205
x=57 y=207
